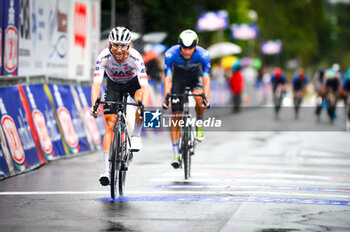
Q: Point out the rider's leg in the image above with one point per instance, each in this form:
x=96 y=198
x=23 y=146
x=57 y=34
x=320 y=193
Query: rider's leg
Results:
x=320 y=100
x=138 y=119
x=110 y=120
x=200 y=109
x=136 y=143
x=175 y=137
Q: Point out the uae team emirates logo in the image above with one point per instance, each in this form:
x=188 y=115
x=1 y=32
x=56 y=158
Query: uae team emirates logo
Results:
x=68 y=129
x=44 y=136
x=11 y=49
x=14 y=142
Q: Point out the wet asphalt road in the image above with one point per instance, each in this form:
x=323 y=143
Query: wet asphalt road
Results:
x=241 y=181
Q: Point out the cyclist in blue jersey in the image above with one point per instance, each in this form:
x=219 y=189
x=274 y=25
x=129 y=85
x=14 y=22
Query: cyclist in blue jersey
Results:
x=299 y=83
x=346 y=90
x=346 y=83
x=186 y=65
x=278 y=82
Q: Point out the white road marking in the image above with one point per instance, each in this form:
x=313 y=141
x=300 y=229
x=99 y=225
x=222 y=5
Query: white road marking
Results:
x=219 y=174
x=272 y=167
x=179 y=193
x=320 y=184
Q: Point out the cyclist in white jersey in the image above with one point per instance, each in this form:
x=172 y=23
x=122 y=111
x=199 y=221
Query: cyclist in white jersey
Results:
x=126 y=72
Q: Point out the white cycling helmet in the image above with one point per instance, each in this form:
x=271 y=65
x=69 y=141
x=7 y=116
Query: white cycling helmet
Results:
x=120 y=35
x=188 y=39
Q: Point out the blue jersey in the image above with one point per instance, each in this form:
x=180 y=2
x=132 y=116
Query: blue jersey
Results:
x=175 y=64
x=299 y=84
x=278 y=80
x=347 y=84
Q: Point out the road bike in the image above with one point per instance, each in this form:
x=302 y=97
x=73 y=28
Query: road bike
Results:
x=297 y=103
x=120 y=154
x=331 y=102
x=187 y=139
x=278 y=100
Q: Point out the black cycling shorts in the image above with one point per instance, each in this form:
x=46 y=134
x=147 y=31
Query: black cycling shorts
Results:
x=181 y=80
x=333 y=84
x=115 y=91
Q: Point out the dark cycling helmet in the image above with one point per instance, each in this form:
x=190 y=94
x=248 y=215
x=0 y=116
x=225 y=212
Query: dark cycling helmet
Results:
x=120 y=35
x=277 y=72
x=188 y=39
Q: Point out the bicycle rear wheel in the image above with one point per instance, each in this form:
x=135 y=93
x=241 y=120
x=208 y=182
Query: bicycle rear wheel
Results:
x=114 y=166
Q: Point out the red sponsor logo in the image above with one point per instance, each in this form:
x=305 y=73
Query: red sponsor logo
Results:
x=67 y=126
x=11 y=49
x=96 y=75
x=80 y=24
x=41 y=128
x=92 y=126
x=13 y=139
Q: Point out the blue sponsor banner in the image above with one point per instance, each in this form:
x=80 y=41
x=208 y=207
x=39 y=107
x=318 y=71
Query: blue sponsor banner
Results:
x=244 y=31
x=69 y=119
x=11 y=37
x=271 y=47
x=212 y=21
x=44 y=121
x=1 y=34
x=15 y=128
x=85 y=99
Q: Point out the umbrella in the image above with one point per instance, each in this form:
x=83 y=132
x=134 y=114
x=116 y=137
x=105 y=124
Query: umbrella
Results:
x=228 y=61
x=154 y=37
x=153 y=51
x=223 y=49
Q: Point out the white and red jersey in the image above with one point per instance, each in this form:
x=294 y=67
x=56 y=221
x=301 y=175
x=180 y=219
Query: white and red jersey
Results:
x=132 y=67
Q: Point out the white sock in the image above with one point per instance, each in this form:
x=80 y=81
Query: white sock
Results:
x=137 y=130
x=176 y=148
x=106 y=158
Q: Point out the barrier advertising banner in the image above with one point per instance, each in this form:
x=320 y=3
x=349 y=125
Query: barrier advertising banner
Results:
x=43 y=37
x=10 y=26
x=83 y=31
x=69 y=119
x=95 y=126
x=18 y=133
x=1 y=34
x=45 y=124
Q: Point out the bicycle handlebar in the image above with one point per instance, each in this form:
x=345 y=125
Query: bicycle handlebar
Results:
x=138 y=104
x=173 y=95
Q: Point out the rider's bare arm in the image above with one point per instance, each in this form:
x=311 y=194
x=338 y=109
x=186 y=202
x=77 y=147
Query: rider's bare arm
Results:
x=206 y=86
x=167 y=88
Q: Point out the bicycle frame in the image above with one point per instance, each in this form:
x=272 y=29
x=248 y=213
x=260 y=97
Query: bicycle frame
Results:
x=187 y=143
x=120 y=153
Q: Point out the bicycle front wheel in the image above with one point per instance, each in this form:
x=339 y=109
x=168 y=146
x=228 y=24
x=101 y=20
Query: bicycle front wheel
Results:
x=186 y=157
x=114 y=165
x=121 y=182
